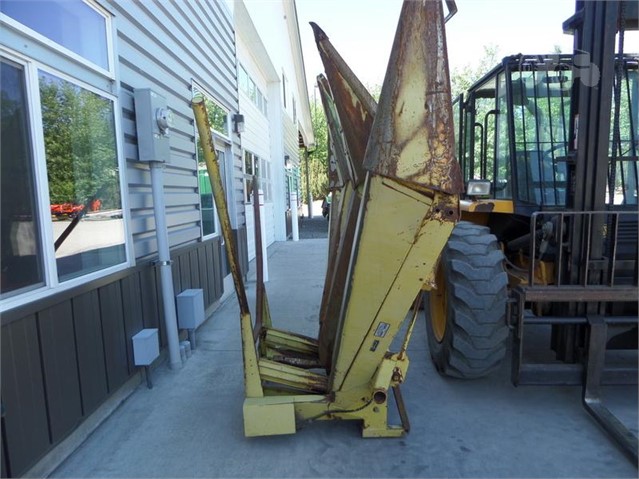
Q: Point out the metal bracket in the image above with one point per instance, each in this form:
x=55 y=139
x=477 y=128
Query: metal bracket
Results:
x=592 y=390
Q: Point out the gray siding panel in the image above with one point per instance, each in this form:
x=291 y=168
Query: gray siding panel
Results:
x=57 y=339
x=165 y=46
x=90 y=349
x=23 y=394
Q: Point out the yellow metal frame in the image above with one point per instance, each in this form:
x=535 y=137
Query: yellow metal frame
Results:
x=394 y=218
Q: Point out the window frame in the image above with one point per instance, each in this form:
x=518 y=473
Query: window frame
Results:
x=264 y=169
x=220 y=142
x=259 y=99
x=219 y=146
x=52 y=284
x=284 y=81
x=58 y=48
x=247 y=176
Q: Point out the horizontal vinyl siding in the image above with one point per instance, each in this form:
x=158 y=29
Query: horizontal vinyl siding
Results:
x=290 y=135
x=256 y=136
x=165 y=46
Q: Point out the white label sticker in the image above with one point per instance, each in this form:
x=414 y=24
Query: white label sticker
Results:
x=382 y=329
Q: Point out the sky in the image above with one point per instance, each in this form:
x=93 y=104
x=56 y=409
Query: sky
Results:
x=362 y=31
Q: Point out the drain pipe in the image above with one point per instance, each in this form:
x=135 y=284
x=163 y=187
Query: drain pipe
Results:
x=263 y=236
x=164 y=263
x=294 y=225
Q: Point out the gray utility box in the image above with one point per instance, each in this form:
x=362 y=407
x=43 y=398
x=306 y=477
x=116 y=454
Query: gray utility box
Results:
x=190 y=308
x=146 y=347
x=153 y=120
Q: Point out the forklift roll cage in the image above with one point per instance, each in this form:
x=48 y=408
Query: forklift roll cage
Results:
x=514 y=129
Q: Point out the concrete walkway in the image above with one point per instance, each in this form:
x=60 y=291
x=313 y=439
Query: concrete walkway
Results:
x=190 y=423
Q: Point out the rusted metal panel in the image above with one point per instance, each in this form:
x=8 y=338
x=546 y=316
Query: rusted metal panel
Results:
x=213 y=168
x=412 y=139
x=343 y=166
x=336 y=286
x=355 y=106
x=334 y=180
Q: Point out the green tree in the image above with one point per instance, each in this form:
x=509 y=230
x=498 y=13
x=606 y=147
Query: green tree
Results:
x=318 y=158
x=462 y=78
x=79 y=139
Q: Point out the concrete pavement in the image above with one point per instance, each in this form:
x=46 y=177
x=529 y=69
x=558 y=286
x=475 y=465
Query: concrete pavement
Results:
x=190 y=423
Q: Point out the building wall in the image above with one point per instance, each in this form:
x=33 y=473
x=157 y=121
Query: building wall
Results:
x=288 y=101
x=165 y=46
x=257 y=137
x=65 y=354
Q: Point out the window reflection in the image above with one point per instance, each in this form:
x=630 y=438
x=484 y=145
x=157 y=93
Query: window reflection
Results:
x=21 y=261
x=70 y=23
x=82 y=170
x=209 y=226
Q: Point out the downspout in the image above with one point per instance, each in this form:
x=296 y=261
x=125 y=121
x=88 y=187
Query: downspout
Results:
x=164 y=263
x=309 y=197
x=295 y=231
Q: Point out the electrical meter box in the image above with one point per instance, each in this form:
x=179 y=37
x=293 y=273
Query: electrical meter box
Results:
x=153 y=121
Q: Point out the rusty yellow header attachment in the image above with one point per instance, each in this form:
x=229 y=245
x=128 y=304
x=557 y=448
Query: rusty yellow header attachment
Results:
x=392 y=220
x=355 y=105
x=413 y=135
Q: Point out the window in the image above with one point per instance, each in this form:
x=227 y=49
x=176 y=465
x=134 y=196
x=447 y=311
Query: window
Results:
x=73 y=24
x=219 y=121
x=82 y=228
x=243 y=79
x=252 y=91
x=250 y=170
x=260 y=167
x=21 y=248
x=208 y=211
x=82 y=169
x=62 y=218
x=248 y=86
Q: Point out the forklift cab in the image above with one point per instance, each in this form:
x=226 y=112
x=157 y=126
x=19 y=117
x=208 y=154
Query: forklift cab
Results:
x=513 y=130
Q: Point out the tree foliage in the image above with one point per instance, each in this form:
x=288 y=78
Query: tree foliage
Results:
x=318 y=158
x=462 y=78
x=79 y=139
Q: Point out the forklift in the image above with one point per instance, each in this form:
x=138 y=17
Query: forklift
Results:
x=547 y=146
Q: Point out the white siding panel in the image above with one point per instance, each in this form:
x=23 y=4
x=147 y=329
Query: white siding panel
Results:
x=250 y=228
x=291 y=140
x=269 y=223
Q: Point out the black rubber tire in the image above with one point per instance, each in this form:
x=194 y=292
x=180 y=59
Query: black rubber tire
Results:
x=475 y=336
